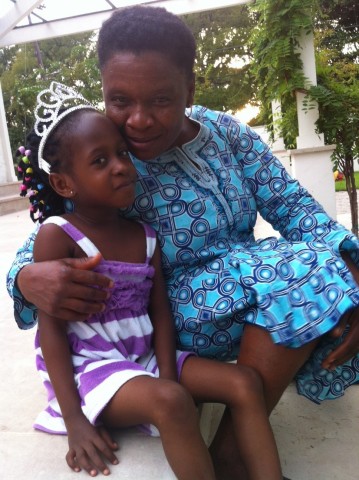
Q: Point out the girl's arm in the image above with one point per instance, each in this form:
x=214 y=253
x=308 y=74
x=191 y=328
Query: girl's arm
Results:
x=86 y=442
x=162 y=321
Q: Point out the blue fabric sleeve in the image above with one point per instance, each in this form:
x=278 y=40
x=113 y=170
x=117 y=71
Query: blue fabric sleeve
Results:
x=280 y=199
x=288 y=206
x=25 y=313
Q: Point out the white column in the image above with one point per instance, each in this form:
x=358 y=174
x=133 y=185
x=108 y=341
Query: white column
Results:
x=278 y=146
x=307 y=137
x=313 y=169
x=277 y=117
x=7 y=173
x=311 y=163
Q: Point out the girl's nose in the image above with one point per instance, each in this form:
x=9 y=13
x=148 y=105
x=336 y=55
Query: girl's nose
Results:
x=124 y=166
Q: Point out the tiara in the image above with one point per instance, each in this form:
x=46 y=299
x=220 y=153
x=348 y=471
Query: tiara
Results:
x=49 y=104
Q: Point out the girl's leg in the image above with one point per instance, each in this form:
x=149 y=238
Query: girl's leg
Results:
x=169 y=407
x=240 y=388
x=277 y=366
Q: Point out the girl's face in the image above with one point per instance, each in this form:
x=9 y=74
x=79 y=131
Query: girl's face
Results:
x=146 y=96
x=101 y=173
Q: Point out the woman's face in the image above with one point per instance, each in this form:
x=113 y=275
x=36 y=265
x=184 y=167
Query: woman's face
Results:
x=146 y=96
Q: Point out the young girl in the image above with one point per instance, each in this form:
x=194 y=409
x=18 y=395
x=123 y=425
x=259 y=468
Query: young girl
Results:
x=120 y=367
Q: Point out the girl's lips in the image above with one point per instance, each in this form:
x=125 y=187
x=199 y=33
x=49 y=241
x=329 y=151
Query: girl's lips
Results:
x=129 y=184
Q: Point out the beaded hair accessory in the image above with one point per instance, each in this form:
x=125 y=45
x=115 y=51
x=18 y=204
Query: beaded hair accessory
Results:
x=47 y=116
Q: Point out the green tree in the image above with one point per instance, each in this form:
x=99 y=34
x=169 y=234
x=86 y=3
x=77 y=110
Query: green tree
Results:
x=223 y=78
x=337 y=93
x=278 y=66
x=278 y=69
x=28 y=69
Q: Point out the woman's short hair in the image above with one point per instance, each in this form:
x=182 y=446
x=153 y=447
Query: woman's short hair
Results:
x=141 y=29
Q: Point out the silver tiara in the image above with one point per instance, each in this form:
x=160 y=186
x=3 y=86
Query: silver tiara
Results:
x=47 y=117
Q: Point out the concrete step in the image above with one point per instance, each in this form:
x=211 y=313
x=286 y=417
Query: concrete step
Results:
x=10 y=188
x=10 y=200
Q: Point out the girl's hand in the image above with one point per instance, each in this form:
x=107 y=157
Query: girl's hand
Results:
x=349 y=346
x=88 y=446
x=73 y=290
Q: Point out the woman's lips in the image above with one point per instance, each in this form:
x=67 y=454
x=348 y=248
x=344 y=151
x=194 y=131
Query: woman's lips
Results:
x=141 y=143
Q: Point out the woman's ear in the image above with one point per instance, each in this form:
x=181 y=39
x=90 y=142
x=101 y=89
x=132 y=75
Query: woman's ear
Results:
x=61 y=184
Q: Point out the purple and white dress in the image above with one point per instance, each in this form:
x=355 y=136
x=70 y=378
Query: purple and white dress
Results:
x=111 y=347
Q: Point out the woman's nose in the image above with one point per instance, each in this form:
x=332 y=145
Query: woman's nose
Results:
x=140 y=117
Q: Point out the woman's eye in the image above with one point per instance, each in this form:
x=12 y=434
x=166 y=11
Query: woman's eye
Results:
x=162 y=100
x=120 y=101
x=123 y=153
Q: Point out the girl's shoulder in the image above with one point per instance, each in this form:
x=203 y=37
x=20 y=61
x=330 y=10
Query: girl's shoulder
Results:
x=52 y=243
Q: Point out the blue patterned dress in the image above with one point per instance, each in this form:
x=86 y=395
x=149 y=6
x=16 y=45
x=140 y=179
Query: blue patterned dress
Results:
x=203 y=199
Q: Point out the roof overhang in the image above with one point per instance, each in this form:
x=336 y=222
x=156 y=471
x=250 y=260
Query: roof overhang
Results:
x=12 y=34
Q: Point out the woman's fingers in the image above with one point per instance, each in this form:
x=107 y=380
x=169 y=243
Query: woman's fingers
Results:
x=349 y=347
x=72 y=291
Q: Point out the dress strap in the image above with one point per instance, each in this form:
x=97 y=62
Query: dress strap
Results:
x=151 y=241
x=77 y=236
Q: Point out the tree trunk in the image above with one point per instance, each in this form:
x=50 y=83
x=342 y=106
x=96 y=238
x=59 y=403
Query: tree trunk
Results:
x=348 y=172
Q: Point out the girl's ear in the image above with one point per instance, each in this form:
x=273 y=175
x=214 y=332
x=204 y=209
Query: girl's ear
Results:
x=61 y=184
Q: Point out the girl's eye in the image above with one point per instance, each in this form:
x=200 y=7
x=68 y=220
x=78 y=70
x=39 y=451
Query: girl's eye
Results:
x=100 y=161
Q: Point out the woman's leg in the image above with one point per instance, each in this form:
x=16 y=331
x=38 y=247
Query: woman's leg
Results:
x=277 y=366
x=240 y=388
x=169 y=407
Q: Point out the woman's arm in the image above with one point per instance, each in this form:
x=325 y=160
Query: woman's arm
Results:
x=70 y=286
x=295 y=213
x=162 y=321
x=24 y=312
x=287 y=205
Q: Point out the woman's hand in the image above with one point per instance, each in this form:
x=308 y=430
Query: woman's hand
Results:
x=89 y=446
x=349 y=346
x=67 y=288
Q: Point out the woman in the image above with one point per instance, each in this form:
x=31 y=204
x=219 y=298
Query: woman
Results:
x=201 y=182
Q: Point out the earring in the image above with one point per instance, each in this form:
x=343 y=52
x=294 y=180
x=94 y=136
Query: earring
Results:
x=188 y=111
x=69 y=205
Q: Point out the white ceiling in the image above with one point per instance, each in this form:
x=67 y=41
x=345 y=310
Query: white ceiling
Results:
x=22 y=21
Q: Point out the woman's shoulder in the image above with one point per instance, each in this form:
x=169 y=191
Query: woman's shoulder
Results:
x=221 y=122
x=204 y=114
x=227 y=127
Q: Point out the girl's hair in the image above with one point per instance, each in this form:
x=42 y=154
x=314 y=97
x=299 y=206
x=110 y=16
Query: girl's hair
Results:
x=44 y=201
x=141 y=29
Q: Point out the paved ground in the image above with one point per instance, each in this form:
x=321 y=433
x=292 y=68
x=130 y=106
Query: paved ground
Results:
x=315 y=442
x=342 y=203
